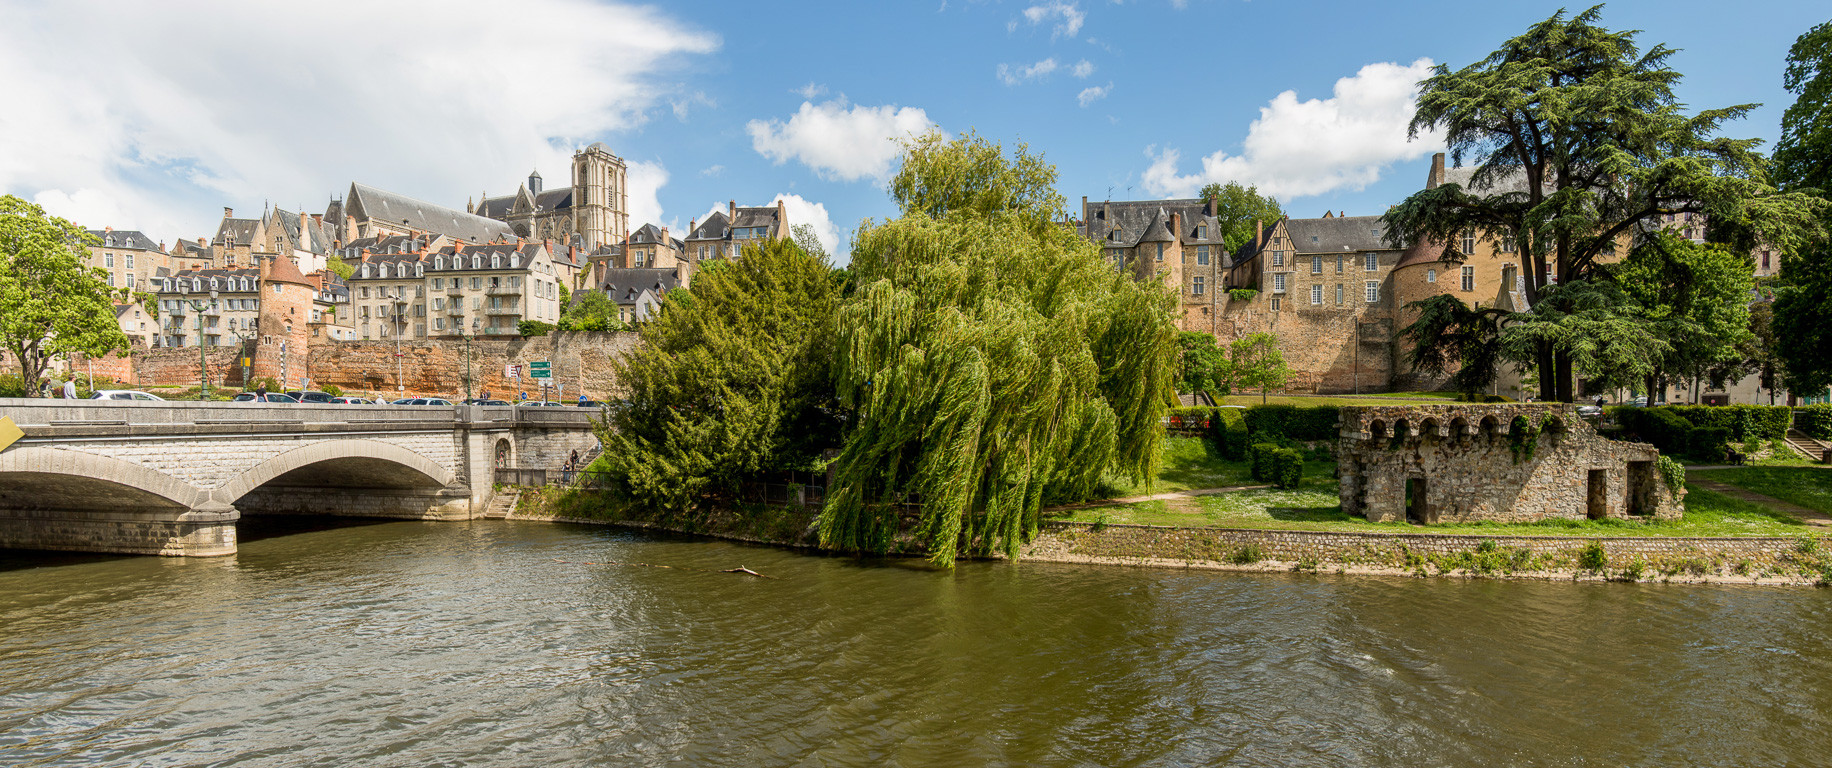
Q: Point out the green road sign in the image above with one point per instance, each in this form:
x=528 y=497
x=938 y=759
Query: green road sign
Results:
x=540 y=369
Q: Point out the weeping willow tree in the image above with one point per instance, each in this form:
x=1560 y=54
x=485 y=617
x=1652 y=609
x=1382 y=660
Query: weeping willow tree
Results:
x=991 y=358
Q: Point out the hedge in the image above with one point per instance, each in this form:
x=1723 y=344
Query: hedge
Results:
x=1228 y=431
x=1259 y=460
x=1764 y=422
x=1659 y=426
x=1816 y=420
x=1311 y=422
x=1287 y=467
x=1707 y=443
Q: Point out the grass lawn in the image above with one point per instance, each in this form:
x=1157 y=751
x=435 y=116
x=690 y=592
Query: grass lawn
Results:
x=1314 y=506
x=1808 y=486
x=1188 y=463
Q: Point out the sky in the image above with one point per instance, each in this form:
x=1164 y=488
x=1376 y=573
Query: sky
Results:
x=156 y=116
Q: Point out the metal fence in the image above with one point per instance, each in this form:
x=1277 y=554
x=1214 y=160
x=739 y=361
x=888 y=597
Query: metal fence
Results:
x=784 y=494
x=541 y=477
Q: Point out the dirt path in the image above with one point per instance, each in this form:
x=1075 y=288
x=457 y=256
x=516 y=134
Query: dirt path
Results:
x=1808 y=516
x=1178 y=501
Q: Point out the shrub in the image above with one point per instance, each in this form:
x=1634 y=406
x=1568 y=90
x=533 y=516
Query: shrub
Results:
x=1287 y=467
x=1248 y=554
x=1592 y=557
x=1815 y=420
x=1228 y=431
x=333 y=390
x=529 y=328
x=1242 y=294
x=1672 y=473
x=1659 y=426
x=1260 y=461
x=1707 y=443
x=1743 y=421
x=1314 y=422
x=10 y=386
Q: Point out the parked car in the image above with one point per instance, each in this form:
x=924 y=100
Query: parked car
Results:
x=422 y=401
x=123 y=394
x=1590 y=411
x=350 y=401
x=482 y=401
x=590 y=403
x=310 y=396
x=271 y=397
x=539 y=404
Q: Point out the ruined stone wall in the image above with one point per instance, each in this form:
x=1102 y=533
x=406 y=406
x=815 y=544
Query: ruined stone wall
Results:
x=178 y=366
x=1318 y=343
x=581 y=361
x=1502 y=463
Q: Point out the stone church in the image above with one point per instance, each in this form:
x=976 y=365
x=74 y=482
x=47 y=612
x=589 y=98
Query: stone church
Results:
x=595 y=205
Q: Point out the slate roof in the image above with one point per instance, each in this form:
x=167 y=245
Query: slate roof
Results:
x=254 y=275
x=1337 y=234
x=756 y=217
x=715 y=227
x=190 y=249
x=237 y=231
x=369 y=202
x=125 y=238
x=626 y=285
x=559 y=198
x=1126 y=224
x=308 y=233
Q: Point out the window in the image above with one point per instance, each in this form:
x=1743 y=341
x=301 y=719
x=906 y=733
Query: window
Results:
x=1339 y=259
x=1765 y=259
x=130 y=279
x=108 y=260
x=1316 y=265
x=365 y=291
x=477 y=282
x=1370 y=261
x=1469 y=278
x=1275 y=303
x=1278 y=283
x=1202 y=232
x=1160 y=251
x=1316 y=294
x=438 y=283
x=1431 y=275
x=1196 y=286
x=1278 y=258
x=1508 y=245
x=515 y=281
x=1373 y=291
x=496 y=262
x=1469 y=241
x=130 y=260
x=1338 y=294
x=419 y=270
x=477 y=262
x=363 y=312
x=702 y=252
x=111 y=282
x=384 y=271
x=438 y=323
x=438 y=303
x=1202 y=255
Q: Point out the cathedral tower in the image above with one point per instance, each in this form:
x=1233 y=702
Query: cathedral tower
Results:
x=600 y=205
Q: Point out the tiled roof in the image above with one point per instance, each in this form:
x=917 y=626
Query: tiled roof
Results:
x=405 y=211
x=284 y=270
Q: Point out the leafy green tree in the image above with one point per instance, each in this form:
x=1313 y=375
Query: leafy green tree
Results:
x=1803 y=160
x=1579 y=145
x=336 y=266
x=992 y=357
x=50 y=303
x=1238 y=208
x=1595 y=325
x=810 y=242
x=1204 y=365
x=733 y=379
x=594 y=311
x=1452 y=337
x=1696 y=300
x=1255 y=361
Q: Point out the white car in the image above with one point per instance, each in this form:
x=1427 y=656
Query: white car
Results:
x=124 y=394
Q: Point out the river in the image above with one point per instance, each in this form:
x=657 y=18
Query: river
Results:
x=499 y=643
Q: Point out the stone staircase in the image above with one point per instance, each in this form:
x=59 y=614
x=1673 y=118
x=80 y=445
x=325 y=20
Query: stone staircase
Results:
x=1812 y=448
x=503 y=504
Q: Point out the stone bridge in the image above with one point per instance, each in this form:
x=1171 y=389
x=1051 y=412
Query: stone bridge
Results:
x=172 y=478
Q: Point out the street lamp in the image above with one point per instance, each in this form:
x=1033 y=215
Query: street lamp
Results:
x=400 y=327
x=475 y=322
x=203 y=362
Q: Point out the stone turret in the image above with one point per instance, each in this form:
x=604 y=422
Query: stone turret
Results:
x=285 y=314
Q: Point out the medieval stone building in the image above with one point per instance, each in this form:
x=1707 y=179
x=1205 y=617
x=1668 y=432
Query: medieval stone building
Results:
x=595 y=206
x=1177 y=241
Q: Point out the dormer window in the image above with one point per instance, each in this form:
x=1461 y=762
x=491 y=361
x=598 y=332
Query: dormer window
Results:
x=476 y=262
x=365 y=270
x=438 y=262
x=515 y=261
x=384 y=271
x=419 y=270
x=1202 y=232
x=496 y=262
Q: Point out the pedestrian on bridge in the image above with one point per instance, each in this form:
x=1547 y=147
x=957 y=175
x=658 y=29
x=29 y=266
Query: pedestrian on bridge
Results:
x=70 y=388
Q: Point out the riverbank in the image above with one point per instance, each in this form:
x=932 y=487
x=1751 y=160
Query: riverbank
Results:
x=1759 y=560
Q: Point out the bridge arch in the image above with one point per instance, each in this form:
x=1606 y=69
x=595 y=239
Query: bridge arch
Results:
x=33 y=476
x=351 y=463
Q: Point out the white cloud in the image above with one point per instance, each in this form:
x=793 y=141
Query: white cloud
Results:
x=713 y=170
x=644 y=181
x=683 y=104
x=839 y=140
x=801 y=211
x=1068 y=17
x=1011 y=75
x=1298 y=148
x=1082 y=68
x=810 y=92
x=271 y=103
x=1093 y=94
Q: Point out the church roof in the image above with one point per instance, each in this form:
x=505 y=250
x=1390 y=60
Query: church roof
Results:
x=369 y=202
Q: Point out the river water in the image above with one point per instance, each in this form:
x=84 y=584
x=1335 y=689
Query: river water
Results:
x=498 y=643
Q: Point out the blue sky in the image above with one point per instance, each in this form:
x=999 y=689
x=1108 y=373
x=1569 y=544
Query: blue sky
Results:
x=724 y=100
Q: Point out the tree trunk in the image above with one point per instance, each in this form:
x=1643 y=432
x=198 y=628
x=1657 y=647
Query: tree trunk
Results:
x=1547 y=372
x=1563 y=361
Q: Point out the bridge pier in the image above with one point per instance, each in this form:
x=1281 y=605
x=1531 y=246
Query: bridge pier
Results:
x=205 y=531
x=452 y=502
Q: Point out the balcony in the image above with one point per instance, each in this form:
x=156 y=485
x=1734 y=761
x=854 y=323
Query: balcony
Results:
x=502 y=290
x=503 y=311
x=456 y=309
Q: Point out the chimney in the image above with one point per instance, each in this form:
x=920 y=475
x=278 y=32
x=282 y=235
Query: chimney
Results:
x=1437 y=171
x=204 y=241
x=106 y=228
x=228 y=213
x=667 y=242
x=1084 y=206
x=782 y=218
x=731 y=212
x=1259 y=232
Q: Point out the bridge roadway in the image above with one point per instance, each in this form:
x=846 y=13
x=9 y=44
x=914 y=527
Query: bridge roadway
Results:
x=172 y=478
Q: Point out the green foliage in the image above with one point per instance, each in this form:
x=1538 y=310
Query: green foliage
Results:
x=1450 y=337
x=1191 y=418
x=268 y=382
x=1672 y=473
x=1238 y=208
x=1594 y=326
x=1577 y=142
x=1255 y=361
x=1696 y=300
x=1242 y=294
x=1744 y=422
x=1803 y=156
x=595 y=311
x=1803 y=161
x=336 y=266
x=1246 y=554
x=1259 y=461
x=1523 y=438
x=1592 y=557
x=1316 y=422
x=992 y=357
x=529 y=328
x=50 y=303
x=1286 y=468
x=1815 y=420
x=732 y=381
x=10 y=385
x=1661 y=427
x=333 y=390
x=1707 y=443
x=1203 y=366
x=1228 y=430
x=810 y=242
